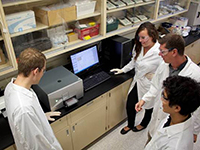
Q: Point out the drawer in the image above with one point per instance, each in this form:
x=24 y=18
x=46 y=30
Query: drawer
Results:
x=59 y=124
x=88 y=108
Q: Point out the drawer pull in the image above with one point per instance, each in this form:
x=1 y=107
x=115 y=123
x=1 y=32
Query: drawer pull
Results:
x=73 y=128
x=67 y=131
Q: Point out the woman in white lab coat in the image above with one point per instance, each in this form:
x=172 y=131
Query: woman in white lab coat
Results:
x=145 y=60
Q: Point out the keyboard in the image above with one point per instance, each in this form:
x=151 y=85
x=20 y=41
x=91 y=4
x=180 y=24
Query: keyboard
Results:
x=95 y=80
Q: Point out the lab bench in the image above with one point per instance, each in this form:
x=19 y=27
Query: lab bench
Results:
x=106 y=103
x=115 y=82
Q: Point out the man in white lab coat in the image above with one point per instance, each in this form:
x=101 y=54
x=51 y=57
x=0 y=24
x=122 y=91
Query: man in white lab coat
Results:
x=180 y=97
x=175 y=63
x=29 y=125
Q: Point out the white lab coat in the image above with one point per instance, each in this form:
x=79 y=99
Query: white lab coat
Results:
x=153 y=97
x=145 y=64
x=174 y=137
x=29 y=125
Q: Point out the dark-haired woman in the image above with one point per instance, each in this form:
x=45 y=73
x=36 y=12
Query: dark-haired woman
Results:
x=145 y=60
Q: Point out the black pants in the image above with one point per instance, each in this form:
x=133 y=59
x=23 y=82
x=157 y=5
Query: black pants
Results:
x=131 y=112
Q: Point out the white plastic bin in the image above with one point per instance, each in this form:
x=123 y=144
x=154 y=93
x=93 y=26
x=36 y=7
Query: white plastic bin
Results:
x=85 y=8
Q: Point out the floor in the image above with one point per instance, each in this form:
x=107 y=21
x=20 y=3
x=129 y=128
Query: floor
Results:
x=131 y=141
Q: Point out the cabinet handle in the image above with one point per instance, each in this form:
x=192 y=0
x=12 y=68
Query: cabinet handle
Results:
x=73 y=128
x=67 y=131
x=198 y=15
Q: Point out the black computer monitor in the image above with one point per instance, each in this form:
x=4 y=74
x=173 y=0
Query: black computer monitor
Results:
x=85 y=59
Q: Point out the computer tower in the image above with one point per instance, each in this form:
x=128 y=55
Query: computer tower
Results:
x=116 y=51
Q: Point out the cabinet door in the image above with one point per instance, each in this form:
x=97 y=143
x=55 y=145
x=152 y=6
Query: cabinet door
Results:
x=62 y=133
x=88 y=123
x=64 y=138
x=125 y=87
x=193 y=51
x=117 y=104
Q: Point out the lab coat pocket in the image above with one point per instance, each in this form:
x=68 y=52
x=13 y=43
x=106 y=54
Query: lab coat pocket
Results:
x=149 y=76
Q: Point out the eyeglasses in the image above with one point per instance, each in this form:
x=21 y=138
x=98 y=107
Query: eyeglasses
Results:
x=165 y=52
x=163 y=96
x=144 y=38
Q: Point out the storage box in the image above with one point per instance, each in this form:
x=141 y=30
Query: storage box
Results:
x=72 y=37
x=91 y=31
x=20 y=21
x=55 y=17
x=85 y=8
x=112 y=26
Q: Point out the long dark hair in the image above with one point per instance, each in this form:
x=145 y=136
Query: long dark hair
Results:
x=152 y=32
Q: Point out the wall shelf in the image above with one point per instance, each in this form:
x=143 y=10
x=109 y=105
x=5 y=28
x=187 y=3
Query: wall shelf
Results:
x=130 y=6
x=9 y=4
x=100 y=14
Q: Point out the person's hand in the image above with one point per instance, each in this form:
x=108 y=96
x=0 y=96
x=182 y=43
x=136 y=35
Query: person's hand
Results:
x=50 y=114
x=138 y=106
x=195 y=138
x=116 y=71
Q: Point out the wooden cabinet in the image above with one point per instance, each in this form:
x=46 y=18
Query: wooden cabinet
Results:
x=82 y=126
x=152 y=9
x=117 y=104
x=87 y=123
x=64 y=138
x=193 y=51
x=62 y=132
x=12 y=147
x=116 y=107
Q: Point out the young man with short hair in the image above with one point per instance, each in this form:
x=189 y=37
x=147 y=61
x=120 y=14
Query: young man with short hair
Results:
x=29 y=125
x=180 y=97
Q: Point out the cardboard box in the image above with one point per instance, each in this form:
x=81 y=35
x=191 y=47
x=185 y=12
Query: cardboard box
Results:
x=55 y=17
x=20 y=21
x=2 y=57
x=72 y=37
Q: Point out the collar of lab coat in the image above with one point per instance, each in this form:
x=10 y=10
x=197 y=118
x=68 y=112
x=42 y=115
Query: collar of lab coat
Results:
x=21 y=89
x=175 y=129
x=151 y=51
x=186 y=71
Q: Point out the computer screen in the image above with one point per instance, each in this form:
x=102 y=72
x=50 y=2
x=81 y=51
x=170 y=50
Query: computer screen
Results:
x=84 y=59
